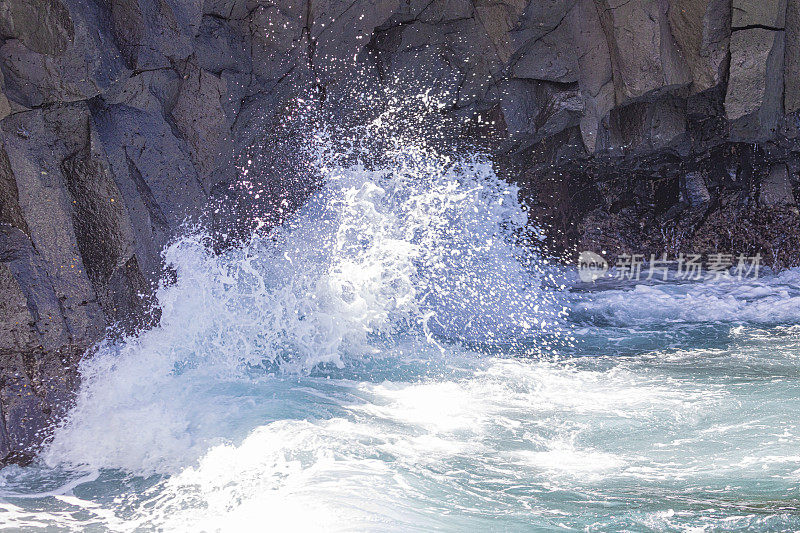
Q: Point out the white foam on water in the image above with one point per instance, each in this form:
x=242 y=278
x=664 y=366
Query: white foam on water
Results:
x=490 y=441
x=423 y=245
x=332 y=375
x=772 y=299
x=427 y=454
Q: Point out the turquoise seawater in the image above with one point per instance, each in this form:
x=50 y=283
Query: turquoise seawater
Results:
x=395 y=358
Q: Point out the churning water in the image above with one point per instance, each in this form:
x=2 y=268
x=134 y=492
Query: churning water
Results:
x=396 y=358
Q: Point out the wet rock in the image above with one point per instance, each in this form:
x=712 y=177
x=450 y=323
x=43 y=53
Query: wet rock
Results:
x=535 y=110
x=339 y=30
x=695 y=194
x=71 y=64
x=202 y=122
x=636 y=125
x=36 y=358
x=104 y=234
x=40 y=141
x=776 y=188
x=644 y=126
x=66 y=248
x=279 y=39
x=155 y=175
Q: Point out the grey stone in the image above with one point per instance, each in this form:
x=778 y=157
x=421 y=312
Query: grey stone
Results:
x=695 y=194
x=154 y=173
x=770 y=13
x=776 y=188
x=701 y=29
x=158 y=104
x=224 y=47
x=643 y=52
x=84 y=68
x=551 y=57
x=754 y=101
x=644 y=126
x=438 y=11
x=543 y=43
x=155 y=33
x=201 y=121
x=596 y=74
x=535 y=110
x=39 y=142
x=340 y=29
x=496 y=20
x=278 y=38
x=43 y=26
x=5 y=105
x=792 y=57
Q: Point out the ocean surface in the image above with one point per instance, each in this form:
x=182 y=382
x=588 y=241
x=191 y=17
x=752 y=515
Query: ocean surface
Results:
x=399 y=357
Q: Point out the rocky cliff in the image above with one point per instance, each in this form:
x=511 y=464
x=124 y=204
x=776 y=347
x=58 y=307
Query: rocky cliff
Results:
x=632 y=125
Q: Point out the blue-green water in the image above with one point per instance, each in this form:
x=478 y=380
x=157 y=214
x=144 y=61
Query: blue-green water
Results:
x=395 y=360
x=671 y=439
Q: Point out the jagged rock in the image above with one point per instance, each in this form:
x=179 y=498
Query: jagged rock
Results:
x=495 y=20
x=754 y=100
x=279 y=39
x=621 y=119
x=776 y=188
x=792 y=57
x=550 y=57
x=419 y=52
x=701 y=29
x=5 y=105
x=594 y=61
x=643 y=53
x=224 y=47
x=432 y=12
x=771 y=13
x=41 y=323
x=152 y=91
x=202 y=122
x=43 y=26
x=339 y=29
x=644 y=126
x=104 y=234
x=154 y=34
x=154 y=172
x=36 y=143
x=535 y=110
x=695 y=193
x=81 y=67
x=520 y=106
x=36 y=355
x=543 y=43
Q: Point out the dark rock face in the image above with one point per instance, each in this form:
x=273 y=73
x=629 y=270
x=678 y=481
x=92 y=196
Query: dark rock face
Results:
x=632 y=126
